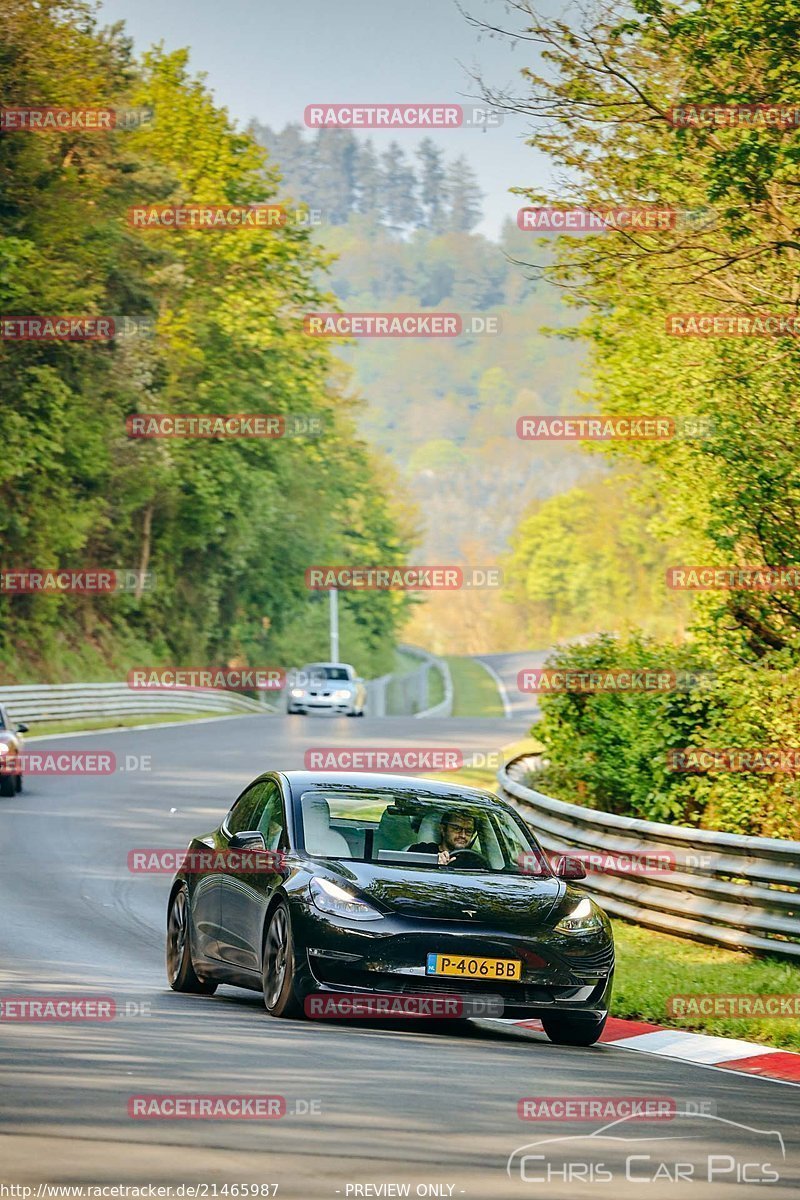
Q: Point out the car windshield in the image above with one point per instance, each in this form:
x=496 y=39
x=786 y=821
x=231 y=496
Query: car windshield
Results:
x=411 y=830
x=318 y=672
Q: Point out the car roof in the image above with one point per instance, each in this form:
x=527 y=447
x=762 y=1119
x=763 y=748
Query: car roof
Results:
x=303 y=781
x=328 y=664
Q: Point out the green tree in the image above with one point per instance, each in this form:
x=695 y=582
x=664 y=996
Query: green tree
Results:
x=228 y=527
x=400 y=189
x=432 y=194
x=463 y=196
x=733 y=493
x=369 y=181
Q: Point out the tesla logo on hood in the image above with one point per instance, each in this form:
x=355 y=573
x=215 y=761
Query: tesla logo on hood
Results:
x=470 y=911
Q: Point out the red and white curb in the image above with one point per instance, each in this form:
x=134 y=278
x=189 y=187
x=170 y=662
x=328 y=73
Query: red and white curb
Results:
x=729 y=1054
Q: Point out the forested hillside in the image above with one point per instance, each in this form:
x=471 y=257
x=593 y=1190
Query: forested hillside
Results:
x=401 y=227
x=341 y=176
x=227 y=527
x=443 y=410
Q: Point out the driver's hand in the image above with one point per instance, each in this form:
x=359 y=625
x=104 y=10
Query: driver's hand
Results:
x=444 y=857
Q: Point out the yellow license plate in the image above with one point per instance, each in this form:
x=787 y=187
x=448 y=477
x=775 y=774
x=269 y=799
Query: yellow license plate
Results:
x=473 y=968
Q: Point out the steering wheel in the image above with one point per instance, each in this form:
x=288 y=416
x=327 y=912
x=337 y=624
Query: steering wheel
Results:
x=471 y=858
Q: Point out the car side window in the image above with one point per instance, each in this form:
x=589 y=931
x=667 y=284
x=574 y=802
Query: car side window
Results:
x=246 y=812
x=272 y=824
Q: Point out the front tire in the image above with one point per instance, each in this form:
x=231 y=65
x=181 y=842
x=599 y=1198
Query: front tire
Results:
x=569 y=1029
x=279 y=966
x=19 y=783
x=180 y=971
x=7 y=785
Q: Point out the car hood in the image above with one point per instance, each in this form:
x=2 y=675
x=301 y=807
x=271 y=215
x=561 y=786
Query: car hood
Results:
x=508 y=902
x=327 y=685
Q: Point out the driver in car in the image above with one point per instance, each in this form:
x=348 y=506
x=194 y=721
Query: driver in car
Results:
x=457 y=833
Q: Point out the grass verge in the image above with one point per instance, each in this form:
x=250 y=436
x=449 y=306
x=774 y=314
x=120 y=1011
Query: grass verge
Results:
x=404 y=665
x=78 y=725
x=477 y=777
x=475 y=693
x=435 y=688
x=652 y=966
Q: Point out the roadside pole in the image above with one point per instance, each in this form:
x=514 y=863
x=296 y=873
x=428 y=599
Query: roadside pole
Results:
x=334 y=595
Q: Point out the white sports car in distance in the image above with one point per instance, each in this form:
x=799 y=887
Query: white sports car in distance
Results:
x=326 y=687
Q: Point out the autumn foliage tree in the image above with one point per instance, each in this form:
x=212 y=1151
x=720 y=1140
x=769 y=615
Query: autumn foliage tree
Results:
x=226 y=526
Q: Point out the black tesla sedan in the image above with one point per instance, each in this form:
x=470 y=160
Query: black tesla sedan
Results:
x=368 y=885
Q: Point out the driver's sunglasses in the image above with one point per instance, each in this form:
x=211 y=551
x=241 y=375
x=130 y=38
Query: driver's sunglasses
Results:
x=461 y=828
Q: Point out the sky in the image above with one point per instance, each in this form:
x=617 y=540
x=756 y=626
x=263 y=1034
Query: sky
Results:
x=268 y=59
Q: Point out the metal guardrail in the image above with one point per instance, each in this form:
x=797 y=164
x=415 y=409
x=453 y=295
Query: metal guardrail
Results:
x=739 y=892
x=410 y=692
x=445 y=707
x=65 y=701
x=430 y=663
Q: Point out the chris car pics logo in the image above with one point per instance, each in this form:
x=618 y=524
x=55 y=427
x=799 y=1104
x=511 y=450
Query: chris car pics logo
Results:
x=700 y=1148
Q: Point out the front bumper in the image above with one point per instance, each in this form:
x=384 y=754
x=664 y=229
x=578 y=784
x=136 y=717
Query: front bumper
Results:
x=311 y=703
x=559 y=973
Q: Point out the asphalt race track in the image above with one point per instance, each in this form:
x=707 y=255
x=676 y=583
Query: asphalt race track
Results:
x=368 y=1104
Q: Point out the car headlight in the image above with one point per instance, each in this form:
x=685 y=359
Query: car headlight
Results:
x=297 y=693
x=338 y=902
x=341 y=694
x=4 y=748
x=585 y=918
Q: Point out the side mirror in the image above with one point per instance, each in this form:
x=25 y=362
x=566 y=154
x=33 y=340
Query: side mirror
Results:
x=22 y=727
x=569 y=868
x=248 y=839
